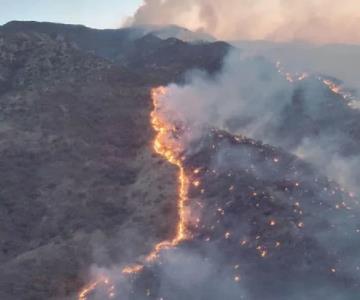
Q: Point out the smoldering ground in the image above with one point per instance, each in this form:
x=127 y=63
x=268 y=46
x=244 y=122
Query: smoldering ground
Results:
x=251 y=98
x=271 y=224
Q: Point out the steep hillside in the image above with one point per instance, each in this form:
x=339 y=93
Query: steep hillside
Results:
x=80 y=183
x=269 y=226
x=133 y=46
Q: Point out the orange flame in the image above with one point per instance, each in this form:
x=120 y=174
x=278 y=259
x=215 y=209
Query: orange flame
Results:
x=332 y=86
x=339 y=90
x=132 y=269
x=170 y=148
x=91 y=287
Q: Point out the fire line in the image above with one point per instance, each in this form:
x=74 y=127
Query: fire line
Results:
x=170 y=148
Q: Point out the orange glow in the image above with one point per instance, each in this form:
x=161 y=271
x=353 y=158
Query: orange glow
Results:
x=263 y=253
x=335 y=88
x=288 y=76
x=171 y=149
x=91 y=287
x=272 y=223
x=332 y=86
x=132 y=269
x=197 y=171
x=196 y=183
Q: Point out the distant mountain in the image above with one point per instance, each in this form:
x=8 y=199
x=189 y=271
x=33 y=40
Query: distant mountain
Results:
x=337 y=60
x=173 y=31
x=106 y=42
x=134 y=47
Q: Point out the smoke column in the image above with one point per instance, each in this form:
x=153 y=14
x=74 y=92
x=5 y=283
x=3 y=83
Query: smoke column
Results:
x=318 y=21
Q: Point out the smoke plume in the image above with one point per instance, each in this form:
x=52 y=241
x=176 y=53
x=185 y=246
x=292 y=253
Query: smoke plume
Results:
x=319 y=21
x=251 y=98
x=269 y=225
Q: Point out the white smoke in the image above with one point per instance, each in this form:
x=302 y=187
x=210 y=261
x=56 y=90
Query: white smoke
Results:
x=245 y=90
x=319 y=21
x=251 y=98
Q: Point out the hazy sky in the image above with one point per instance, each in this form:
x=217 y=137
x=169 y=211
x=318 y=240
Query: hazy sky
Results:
x=93 y=13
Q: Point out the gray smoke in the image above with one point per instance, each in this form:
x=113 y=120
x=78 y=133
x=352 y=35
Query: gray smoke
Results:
x=251 y=98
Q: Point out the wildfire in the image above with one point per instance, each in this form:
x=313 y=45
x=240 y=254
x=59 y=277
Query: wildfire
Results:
x=92 y=286
x=169 y=147
x=288 y=76
x=342 y=92
x=334 y=87
x=132 y=269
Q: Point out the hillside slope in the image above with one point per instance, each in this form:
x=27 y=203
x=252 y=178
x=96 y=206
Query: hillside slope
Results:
x=80 y=183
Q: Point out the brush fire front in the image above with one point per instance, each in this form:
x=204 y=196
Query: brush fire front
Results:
x=254 y=210
x=168 y=145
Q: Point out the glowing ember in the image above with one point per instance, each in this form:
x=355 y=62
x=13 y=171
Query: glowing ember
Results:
x=332 y=86
x=196 y=171
x=343 y=93
x=132 y=269
x=272 y=223
x=243 y=243
x=196 y=183
x=288 y=76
